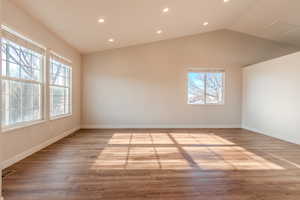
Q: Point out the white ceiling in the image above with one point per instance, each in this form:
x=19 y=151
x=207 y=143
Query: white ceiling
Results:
x=132 y=22
x=277 y=20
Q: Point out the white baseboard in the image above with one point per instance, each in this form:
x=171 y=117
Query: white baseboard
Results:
x=35 y=149
x=106 y=126
x=271 y=135
x=253 y=130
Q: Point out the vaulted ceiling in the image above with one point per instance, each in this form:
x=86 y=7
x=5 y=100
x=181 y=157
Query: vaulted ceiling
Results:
x=131 y=22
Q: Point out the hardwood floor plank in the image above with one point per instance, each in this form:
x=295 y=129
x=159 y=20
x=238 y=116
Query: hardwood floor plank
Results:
x=148 y=164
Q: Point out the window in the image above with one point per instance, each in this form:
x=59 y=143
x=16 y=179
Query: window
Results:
x=22 y=80
x=206 y=87
x=60 y=87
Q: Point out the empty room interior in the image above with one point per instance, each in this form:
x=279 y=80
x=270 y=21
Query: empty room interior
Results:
x=150 y=100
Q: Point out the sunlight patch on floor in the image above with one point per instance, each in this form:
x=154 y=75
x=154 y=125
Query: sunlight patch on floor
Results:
x=203 y=151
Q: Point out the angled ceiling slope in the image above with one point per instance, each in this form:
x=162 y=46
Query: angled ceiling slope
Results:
x=137 y=21
x=272 y=19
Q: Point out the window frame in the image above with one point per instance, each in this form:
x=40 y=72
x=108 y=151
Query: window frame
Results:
x=22 y=40
x=205 y=70
x=41 y=82
x=54 y=56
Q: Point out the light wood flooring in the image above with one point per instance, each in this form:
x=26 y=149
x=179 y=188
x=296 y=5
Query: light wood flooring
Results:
x=152 y=164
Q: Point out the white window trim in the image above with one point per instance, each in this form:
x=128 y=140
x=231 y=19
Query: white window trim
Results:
x=42 y=82
x=45 y=90
x=22 y=125
x=22 y=36
x=61 y=117
x=204 y=70
x=69 y=64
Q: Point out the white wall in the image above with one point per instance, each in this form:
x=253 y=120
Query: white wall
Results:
x=145 y=85
x=271 y=98
x=15 y=143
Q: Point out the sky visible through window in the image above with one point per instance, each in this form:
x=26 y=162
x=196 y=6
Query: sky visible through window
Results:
x=205 y=87
x=21 y=84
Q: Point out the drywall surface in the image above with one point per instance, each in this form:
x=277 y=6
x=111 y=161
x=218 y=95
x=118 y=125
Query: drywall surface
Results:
x=145 y=86
x=271 y=98
x=15 y=143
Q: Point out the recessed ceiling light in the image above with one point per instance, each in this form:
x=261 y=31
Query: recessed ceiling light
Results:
x=111 y=40
x=205 y=23
x=226 y=1
x=101 y=20
x=165 y=10
x=159 y=31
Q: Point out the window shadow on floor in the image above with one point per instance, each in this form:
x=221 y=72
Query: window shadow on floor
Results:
x=158 y=164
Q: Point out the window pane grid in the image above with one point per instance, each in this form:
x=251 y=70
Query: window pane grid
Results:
x=7 y=43
x=19 y=54
x=21 y=102
x=20 y=63
x=21 y=84
x=59 y=101
x=33 y=66
x=205 y=87
x=23 y=81
x=60 y=78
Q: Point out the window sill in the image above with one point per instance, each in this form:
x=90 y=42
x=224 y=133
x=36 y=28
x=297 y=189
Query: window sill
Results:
x=21 y=126
x=223 y=104
x=30 y=124
x=60 y=117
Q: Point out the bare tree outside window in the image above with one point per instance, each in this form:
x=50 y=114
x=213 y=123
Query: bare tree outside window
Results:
x=60 y=88
x=21 y=84
x=205 y=87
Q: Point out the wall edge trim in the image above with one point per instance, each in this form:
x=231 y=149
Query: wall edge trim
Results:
x=25 y=154
x=108 y=126
x=266 y=134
